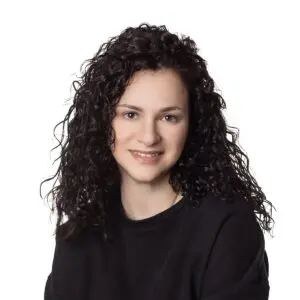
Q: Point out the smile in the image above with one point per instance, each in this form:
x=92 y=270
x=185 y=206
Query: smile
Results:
x=146 y=158
x=142 y=154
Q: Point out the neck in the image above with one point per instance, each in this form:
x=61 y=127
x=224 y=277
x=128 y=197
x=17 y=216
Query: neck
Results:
x=141 y=201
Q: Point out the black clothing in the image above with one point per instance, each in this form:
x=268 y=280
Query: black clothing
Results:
x=214 y=252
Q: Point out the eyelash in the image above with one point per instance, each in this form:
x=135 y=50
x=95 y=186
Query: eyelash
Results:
x=176 y=118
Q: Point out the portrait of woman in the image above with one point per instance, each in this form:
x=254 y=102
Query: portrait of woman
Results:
x=155 y=199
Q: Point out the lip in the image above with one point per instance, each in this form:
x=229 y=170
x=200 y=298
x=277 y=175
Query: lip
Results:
x=147 y=160
x=147 y=152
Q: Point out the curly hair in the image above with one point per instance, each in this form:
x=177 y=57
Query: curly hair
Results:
x=210 y=163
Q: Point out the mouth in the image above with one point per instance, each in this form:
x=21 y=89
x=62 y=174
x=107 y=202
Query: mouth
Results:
x=147 y=157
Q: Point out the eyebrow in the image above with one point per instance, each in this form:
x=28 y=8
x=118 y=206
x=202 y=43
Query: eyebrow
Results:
x=140 y=109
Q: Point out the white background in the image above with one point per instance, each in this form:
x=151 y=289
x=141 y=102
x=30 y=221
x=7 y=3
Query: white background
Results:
x=252 y=49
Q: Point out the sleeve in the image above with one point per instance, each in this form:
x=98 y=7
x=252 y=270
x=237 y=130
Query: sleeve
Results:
x=237 y=267
x=67 y=277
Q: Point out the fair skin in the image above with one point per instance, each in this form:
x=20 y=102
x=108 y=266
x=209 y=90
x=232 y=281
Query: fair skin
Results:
x=145 y=190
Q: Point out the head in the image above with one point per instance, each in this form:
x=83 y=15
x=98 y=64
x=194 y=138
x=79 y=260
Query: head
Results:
x=149 y=68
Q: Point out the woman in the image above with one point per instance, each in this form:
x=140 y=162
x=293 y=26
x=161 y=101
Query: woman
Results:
x=158 y=200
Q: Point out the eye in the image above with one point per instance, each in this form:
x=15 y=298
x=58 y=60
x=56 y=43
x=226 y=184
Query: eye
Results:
x=173 y=117
x=129 y=113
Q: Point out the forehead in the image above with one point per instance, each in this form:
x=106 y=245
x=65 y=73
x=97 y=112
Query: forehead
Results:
x=155 y=87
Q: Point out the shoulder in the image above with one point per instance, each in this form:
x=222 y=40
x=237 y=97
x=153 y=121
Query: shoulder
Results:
x=234 y=205
x=237 y=224
x=225 y=222
x=73 y=247
x=235 y=255
x=213 y=209
x=69 y=265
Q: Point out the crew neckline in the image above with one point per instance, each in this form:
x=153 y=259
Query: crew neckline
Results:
x=153 y=221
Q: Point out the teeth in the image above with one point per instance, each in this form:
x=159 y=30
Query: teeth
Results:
x=147 y=155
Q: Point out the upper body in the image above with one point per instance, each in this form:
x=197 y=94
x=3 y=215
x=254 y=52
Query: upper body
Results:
x=214 y=252
x=148 y=121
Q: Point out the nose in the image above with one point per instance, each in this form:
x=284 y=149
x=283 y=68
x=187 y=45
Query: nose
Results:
x=149 y=134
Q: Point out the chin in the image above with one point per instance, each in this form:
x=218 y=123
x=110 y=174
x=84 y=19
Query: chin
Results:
x=143 y=175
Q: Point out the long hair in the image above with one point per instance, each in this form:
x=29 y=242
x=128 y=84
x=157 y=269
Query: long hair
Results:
x=211 y=162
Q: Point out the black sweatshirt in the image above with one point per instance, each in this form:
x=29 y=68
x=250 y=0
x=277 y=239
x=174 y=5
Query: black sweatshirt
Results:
x=213 y=252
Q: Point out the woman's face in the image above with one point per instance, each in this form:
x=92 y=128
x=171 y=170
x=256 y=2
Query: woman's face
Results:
x=148 y=127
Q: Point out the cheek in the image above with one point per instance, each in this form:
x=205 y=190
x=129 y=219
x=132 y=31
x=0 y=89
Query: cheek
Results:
x=177 y=144
x=178 y=137
x=123 y=133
